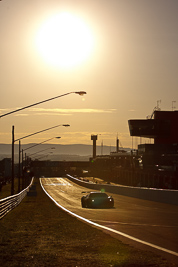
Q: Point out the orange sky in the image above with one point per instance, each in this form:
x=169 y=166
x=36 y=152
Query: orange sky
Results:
x=131 y=65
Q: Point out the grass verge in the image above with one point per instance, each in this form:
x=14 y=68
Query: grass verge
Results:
x=38 y=233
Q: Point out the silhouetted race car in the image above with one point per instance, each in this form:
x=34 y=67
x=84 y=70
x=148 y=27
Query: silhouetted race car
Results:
x=97 y=200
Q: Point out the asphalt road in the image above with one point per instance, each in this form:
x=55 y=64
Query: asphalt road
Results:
x=152 y=222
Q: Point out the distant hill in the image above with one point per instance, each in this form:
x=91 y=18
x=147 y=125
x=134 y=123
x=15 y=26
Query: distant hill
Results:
x=73 y=152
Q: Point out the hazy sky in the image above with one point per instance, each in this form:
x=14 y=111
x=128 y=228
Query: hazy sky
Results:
x=123 y=53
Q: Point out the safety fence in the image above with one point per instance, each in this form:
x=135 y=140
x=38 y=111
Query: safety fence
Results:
x=152 y=194
x=9 y=203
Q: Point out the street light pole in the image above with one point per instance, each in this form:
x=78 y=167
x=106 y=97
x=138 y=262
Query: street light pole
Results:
x=19 y=168
x=13 y=141
x=29 y=106
x=12 y=174
x=22 y=171
x=57 y=137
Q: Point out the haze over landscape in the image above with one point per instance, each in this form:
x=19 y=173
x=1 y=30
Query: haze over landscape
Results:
x=77 y=152
x=122 y=53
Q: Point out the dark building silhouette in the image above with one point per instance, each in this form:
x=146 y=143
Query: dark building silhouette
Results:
x=151 y=165
x=163 y=128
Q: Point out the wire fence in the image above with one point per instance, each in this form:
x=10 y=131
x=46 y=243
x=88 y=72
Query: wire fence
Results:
x=9 y=203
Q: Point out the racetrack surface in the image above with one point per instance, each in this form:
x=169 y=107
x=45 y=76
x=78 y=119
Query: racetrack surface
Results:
x=152 y=222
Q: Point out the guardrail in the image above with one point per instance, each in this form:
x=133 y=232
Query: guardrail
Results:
x=9 y=203
x=152 y=194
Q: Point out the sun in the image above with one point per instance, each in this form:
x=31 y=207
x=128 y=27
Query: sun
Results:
x=64 y=40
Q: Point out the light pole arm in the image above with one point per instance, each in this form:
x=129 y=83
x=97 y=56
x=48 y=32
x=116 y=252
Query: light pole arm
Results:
x=39 y=151
x=41 y=131
x=32 y=105
x=39 y=143
x=58 y=137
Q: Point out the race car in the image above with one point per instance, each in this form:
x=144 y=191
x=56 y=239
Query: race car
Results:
x=97 y=200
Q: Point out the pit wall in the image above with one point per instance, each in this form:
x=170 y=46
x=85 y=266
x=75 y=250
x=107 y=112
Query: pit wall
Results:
x=152 y=194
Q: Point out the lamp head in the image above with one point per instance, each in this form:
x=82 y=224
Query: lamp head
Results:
x=66 y=125
x=81 y=93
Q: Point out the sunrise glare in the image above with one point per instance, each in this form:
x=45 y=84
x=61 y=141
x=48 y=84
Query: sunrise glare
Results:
x=123 y=55
x=64 y=40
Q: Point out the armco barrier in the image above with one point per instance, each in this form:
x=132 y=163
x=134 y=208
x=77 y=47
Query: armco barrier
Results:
x=9 y=203
x=152 y=194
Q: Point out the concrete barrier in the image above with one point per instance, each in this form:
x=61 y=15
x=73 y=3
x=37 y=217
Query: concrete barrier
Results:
x=152 y=194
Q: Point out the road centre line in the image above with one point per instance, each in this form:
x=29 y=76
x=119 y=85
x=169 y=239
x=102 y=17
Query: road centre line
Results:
x=56 y=184
x=135 y=224
x=64 y=182
x=109 y=229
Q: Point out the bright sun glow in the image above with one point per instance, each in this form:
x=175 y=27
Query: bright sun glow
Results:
x=64 y=40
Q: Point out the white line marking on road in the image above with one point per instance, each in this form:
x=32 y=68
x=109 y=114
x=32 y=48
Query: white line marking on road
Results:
x=110 y=229
x=64 y=182
x=135 y=224
x=55 y=184
x=61 y=182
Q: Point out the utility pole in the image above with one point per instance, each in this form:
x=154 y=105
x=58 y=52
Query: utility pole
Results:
x=19 y=168
x=12 y=170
